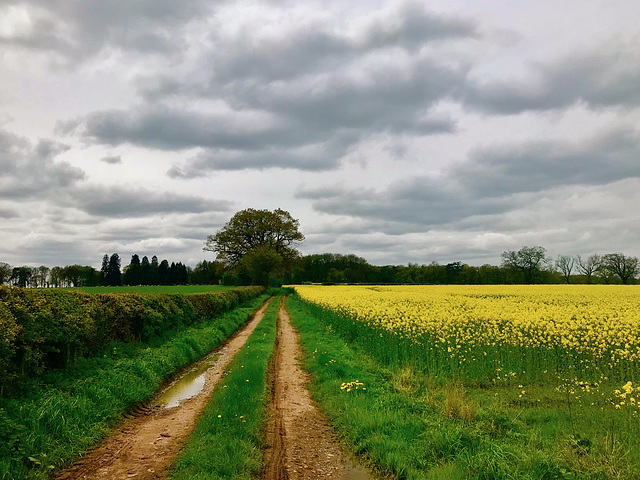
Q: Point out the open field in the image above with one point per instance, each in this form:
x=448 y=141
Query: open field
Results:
x=513 y=382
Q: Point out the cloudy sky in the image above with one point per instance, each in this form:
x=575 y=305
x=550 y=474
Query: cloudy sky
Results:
x=401 y=131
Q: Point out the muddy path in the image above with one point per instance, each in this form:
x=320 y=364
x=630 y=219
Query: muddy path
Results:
x=146 y=446
x=301 y=444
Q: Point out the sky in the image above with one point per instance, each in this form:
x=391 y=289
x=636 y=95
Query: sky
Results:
x=399 y=131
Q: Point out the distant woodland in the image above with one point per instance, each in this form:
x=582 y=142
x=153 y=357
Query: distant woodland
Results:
x=527 y=265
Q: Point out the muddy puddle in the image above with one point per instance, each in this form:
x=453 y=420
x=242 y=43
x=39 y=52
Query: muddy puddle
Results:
x=187 y=385
x=353 y=471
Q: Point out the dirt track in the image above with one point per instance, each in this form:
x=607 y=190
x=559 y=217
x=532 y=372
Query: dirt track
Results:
x=146 y=446
x=301 y=445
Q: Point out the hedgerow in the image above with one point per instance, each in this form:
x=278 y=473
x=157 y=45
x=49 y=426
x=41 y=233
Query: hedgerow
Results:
x=42 y=329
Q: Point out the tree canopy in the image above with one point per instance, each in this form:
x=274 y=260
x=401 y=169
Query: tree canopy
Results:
x=260 y=241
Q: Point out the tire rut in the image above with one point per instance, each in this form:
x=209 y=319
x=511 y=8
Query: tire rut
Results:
x=301 y=444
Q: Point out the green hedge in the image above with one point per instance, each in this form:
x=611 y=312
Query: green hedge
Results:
x=46 y=328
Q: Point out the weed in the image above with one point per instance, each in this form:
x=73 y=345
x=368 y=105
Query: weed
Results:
x=456 y=403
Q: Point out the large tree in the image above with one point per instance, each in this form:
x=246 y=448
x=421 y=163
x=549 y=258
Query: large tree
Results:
x=113 y=272
x=132 y=274
x=624 y=267
x=528 y=260
x=104 y=271
x=260 y=241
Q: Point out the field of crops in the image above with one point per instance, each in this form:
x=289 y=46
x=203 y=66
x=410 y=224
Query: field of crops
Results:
x=590 y=330
x=560 y=364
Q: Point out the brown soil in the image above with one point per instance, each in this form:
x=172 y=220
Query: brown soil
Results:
x=301 y=444
x=147 y=445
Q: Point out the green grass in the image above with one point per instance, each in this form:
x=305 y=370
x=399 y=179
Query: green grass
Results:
x=185 y=289
x=417 y=425
x=62 y=414
x=227 y=442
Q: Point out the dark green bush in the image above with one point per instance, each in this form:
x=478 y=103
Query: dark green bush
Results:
x=42 y=329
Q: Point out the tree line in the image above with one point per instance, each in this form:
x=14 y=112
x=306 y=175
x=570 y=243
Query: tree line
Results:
x=525 y=266
x=137 y=272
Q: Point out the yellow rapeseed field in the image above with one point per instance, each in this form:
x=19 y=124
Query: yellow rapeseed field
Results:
x=597 y=321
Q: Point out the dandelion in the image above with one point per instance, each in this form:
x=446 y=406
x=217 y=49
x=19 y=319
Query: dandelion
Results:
x=355 y=385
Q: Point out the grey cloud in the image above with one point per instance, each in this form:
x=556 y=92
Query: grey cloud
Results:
x=538 y=166
x=47 y=250
x=8 y=213
x=319 y=157
x=120 y=202
x=127 y=233
x=171 y=129
x=31 y=171
x=492 y=182
x=391 y=98
x=414 y=26
x=76 y=29
x=286 y=125
x=112 y=160
x=421 y=201
x=597 y=78
x=299 y=99
x=302 y=51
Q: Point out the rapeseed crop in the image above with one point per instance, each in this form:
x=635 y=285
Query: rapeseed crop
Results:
x=504 y=331
x=553 y=369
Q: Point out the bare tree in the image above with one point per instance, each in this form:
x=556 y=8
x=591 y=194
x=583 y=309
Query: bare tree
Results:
x=43 y=275
x=35 y=277
x=528 y=260
x=589 y=265
x=565 y=264
x=624 y=267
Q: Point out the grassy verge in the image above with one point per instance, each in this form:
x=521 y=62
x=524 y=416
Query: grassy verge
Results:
x=419 y=426
x=62 y=414
x=227 y=442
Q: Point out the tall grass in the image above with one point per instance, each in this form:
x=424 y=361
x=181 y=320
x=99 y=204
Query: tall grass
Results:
x=62 y=414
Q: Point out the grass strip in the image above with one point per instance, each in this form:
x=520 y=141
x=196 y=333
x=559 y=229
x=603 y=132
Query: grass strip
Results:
x=228 y=440
x=57 y=421
x=430 y=431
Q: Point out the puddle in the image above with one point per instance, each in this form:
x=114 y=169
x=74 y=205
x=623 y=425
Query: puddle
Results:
x=353 y=471
x=190 y=384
